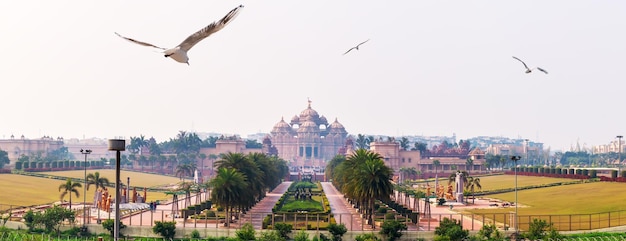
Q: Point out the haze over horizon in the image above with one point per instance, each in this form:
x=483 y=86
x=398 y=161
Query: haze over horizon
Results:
x=430 y=68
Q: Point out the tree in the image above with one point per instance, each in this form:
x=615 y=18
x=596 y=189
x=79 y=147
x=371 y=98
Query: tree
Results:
x=95 y=179
x=337 y=230
x=404 y=143
x=4 y=158
x=109 y=225
x=228 y=186
x=363 y=142
x=436 y=163
x=165 y=229
x=469 y=163
x=370 y=179
x=392 y=229
x=246 y=232
x=450 y=229
x=471 y=184
x=69 y=187
x=420 y=146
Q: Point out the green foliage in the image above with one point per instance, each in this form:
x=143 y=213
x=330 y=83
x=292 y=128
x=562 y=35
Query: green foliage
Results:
x=337 y=231
x=246 y=232
x=452 y=229
x=271 y=235
x=392 y=229
x=367 y=237
x=490 y=232
x=195 y=234
x=302 y=205
x=51 y=219
x=301 y=236
x=165 y=229
x=382 y=210
x=109 y=226
x=283 y=229
x=390 y=216
x=324 y=238
x=537 y=229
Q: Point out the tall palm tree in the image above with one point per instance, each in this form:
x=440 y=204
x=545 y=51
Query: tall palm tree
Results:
x=374 y=182
x=97 y=180
x=404 y=143
x=202 y=157
x=469 y=163
x=228 y=185
x=70 y=187
x=250 y=169
x=473 y=182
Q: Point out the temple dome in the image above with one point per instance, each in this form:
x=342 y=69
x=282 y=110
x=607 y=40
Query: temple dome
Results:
x=308 y=127
x=281 y=127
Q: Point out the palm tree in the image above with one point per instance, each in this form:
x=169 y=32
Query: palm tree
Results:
x=98 y=181
x=365 y=178
x=70 y=187
x=250 y=169
x=473 y=182
x=469 y=163
x=228 y=186
x=202 y=157
x=404 y=143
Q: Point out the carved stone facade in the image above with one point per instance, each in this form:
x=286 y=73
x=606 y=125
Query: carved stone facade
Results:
x=308 y=139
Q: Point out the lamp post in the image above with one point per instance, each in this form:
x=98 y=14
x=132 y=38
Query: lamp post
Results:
x=85 y=152
x=515 y=159
x=117 y=145
x=619 y=155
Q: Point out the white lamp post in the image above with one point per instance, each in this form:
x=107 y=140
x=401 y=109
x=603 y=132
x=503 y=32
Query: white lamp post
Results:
x=515 y=159
x=85 y=152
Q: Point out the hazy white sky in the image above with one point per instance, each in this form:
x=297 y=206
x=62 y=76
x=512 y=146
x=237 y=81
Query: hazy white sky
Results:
x=430 y=68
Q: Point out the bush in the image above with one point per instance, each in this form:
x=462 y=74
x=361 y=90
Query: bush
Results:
x=271 y=235
x=283 y=229
x=210 y=214
x=490 y=232
x=452 y=229
x=109 y=225
x=366 y=237
x=381 y=210
x=392 y=229
x=337 y=231
x=537 y=229
x=390 y=216
x=165 y=229
x=246 y=232
x=301 y=236
x=195 y=234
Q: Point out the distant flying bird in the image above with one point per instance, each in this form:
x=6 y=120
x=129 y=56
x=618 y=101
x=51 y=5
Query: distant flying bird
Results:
x=528 y=70
x=355 y=47
x=179 y=53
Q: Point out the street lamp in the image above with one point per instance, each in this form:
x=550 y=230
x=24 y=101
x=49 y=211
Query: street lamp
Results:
x=85 y=152
x=117 y=145
x=619 y=155
x=515 y=159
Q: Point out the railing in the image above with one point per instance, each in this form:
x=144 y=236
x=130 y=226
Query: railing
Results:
x=473 y=222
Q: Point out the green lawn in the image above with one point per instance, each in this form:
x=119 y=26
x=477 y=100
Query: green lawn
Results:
x=137 y=179
x=20 y=190
x=292 y=205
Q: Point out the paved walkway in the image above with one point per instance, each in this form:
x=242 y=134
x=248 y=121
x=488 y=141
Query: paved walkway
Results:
x=256 y=214
x=343 y=211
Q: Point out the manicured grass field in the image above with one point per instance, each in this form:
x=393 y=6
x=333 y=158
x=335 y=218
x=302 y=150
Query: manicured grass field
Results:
x=570 y=206
x=137 y=179
x=508 y=181
x=20 y=190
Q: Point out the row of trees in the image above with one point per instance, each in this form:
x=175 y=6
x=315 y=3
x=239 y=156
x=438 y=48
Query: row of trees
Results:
x=242 y=180
x=363 y=177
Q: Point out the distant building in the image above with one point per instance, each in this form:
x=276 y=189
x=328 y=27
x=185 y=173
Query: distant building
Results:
x=308 y=139
x=29 y=147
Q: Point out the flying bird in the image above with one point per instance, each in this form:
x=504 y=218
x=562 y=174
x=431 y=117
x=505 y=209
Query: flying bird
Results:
x=356 y=47
x=529 y=70
x=179 y=53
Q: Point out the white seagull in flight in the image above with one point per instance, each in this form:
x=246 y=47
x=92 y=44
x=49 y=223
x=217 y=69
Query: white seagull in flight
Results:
x=528 y=70
x=179 y=53
x=356 y=47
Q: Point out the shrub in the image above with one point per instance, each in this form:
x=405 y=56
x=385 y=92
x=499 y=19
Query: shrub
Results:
x=490 y=232
x=165 y=229
x=392 y=229
x=337 y=231
x=195 y=234
x=381 y=210
x=109 y=225
x=366 y=237
x=301 y=236
x=210 y=214
x=390 y=216
x=283 y=229
x=246 y=232
x=271 y=235
x=537 y=229
x=452 y=229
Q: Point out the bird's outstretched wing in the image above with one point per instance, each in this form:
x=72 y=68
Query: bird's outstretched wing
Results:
x=210 y=29
x=363 y=42
x=139 y=42
x=349 y=50
x=526 y=66
x=542 y=70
